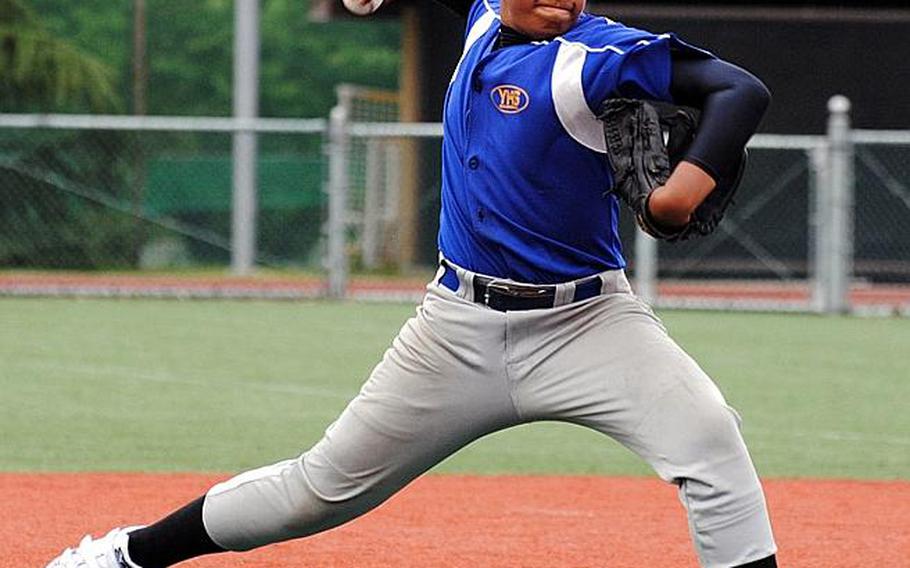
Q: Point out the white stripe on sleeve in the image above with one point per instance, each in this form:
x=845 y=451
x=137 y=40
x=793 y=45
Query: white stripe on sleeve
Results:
x=569 y=98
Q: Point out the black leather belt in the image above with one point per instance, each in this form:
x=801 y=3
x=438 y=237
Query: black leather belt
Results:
x=508 y=296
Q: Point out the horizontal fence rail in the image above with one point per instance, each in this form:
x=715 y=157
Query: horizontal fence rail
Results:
x=395 y=130
x=880 y=136
x=162 y=123
x=360 y=191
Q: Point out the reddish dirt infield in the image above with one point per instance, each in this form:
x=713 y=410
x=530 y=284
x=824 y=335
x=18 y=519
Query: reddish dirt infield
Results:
x=500 y=522
x=719 y=294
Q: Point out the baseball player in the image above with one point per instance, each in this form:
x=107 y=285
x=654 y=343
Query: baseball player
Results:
x=530 y=316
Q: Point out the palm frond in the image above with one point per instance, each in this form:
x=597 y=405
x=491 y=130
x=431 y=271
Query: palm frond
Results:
x=17 y=12
x=45 y=69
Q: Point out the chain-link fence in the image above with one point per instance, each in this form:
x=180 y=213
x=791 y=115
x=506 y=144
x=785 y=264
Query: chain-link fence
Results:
x=153 y=194
x=882 y=210
x=818 y=225
x=374 y=182
x=794 y=240
x=758 y=258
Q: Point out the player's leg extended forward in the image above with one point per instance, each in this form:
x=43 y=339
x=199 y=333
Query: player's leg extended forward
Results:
x=609 y=364
x=438 y=387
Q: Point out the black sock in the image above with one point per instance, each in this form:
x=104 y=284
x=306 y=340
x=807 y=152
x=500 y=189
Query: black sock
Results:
x=177 y=537
x=769 y=562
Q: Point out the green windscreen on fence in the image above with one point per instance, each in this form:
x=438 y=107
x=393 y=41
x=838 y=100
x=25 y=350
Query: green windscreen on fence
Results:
x=203 y=183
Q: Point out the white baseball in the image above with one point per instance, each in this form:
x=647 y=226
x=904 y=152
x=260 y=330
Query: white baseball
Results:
x=362 y=7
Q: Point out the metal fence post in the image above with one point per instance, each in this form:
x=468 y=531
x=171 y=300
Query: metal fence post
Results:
x=834 y=234
x=372 y=203
x=246 y=105
x=645 y=267
x=819 y=242
x=337 y=258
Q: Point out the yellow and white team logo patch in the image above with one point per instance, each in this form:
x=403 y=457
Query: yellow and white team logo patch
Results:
x=510 y=99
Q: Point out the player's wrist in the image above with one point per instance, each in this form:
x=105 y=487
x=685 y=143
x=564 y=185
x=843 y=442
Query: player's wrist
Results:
x=668 y=207
x=653 y=227
x=674 y=203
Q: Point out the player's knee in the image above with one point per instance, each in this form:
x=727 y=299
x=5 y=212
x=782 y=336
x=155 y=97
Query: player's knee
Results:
x=692 y=434
x=310 y=497
x=715 y=430
x=329 y=497
x=290 y=499
x=720 y=482
x=311 y=511
x=330 y=481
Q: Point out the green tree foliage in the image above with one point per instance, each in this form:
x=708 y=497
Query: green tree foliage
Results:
x=42 y=221
x=39 y=70
x=73 y=199
x=55 y=196
x=303 y=61
x=190 y=51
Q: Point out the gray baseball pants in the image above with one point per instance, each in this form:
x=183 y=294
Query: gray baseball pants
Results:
x=459 y=370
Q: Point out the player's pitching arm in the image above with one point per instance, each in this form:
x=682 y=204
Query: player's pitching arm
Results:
x=732 y=102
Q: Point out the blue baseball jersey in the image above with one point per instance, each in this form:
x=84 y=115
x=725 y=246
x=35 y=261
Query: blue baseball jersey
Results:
x=525 y=176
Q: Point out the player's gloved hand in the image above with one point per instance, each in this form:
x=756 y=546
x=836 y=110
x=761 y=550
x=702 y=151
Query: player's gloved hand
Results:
x=645 y=142
x=710 y=212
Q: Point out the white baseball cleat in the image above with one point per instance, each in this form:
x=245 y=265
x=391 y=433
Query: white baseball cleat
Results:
x=106 y=552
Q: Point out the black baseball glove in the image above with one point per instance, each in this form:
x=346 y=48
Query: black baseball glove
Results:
x=645 y=141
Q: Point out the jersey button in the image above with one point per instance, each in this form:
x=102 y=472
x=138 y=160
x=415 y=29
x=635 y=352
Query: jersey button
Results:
x=474 y=162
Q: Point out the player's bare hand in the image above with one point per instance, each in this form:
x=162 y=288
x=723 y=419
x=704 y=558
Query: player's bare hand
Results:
x=362 y=7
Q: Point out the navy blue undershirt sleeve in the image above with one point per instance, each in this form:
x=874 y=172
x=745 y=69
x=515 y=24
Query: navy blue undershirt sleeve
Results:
x=732 y=103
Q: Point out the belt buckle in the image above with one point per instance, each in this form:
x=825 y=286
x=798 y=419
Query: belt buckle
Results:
x=497 y=286
x=516 y=293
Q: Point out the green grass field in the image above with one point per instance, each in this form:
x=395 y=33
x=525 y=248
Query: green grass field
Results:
x=157 y=385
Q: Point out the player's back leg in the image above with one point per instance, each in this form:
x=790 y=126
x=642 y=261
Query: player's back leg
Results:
x=611 y=366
